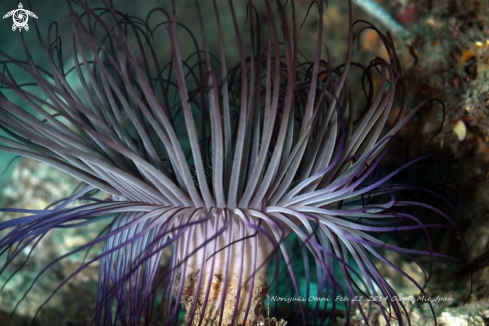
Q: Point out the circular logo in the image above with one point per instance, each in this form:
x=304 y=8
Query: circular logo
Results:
x=20 y=18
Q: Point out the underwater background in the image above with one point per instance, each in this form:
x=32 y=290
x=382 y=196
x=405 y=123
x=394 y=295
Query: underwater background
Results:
x=444 y=50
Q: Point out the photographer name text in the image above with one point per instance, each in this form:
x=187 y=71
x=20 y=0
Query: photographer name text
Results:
x=341 y=298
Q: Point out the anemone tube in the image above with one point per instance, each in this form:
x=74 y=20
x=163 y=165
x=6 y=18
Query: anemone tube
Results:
x=222 y=166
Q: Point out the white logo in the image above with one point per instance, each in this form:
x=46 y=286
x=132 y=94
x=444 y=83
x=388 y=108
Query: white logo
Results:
x=20 y=17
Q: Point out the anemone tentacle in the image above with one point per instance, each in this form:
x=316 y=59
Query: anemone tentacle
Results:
x=235 y=170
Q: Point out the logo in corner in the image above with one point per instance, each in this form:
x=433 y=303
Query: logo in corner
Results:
x=20 y=17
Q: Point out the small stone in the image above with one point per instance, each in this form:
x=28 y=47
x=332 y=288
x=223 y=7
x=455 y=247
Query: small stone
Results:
x=460 y=129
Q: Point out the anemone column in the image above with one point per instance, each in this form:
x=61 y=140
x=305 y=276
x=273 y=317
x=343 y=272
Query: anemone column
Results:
x=223 y=278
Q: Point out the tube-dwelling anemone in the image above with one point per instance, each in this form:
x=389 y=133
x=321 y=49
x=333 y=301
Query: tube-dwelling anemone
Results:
x=232 y=167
